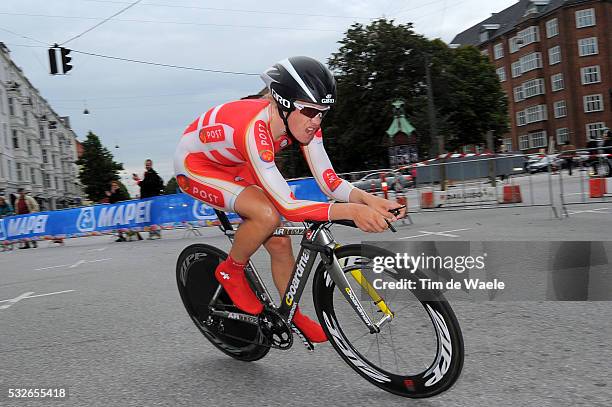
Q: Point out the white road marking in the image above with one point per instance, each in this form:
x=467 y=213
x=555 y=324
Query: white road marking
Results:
x=71 y=266
x=77 y=264
x=15 y=300
x=444 y=233
x=23 y=296
x=598 y=210
x=52 y=267
x=98 y=250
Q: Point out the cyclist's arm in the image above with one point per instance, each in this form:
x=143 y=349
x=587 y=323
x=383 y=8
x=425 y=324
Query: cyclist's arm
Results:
x=323 y=172
x=259 y=151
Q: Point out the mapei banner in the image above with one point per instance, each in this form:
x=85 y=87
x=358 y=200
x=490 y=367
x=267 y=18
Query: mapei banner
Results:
x=166 y=211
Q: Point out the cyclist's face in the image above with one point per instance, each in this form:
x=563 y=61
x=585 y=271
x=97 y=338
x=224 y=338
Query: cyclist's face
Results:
x=301 y=125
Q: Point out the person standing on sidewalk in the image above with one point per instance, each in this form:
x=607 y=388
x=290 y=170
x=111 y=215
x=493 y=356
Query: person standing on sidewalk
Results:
x=23 y=205
x=150 y=185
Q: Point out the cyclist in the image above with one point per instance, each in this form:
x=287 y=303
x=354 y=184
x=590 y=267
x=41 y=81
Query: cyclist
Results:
x=225 y=158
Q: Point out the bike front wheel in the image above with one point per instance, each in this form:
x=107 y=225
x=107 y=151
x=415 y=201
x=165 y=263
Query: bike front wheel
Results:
x=418 y=353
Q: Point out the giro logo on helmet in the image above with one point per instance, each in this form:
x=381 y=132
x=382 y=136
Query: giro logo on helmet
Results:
x=280 y=99
x=328 y=99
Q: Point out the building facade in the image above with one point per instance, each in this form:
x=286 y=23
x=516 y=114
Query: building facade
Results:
x=38 y=149
x=554 y=62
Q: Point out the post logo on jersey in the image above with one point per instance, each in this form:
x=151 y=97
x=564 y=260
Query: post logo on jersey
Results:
x=331 y=179
x=212 y=134
x=86 y=222
x=263 y=140
x=204 y=193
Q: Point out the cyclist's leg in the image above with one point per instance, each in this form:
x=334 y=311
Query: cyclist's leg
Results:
x=282 y=261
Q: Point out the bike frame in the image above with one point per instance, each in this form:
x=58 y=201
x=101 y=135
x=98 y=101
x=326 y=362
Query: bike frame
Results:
x=316 y=240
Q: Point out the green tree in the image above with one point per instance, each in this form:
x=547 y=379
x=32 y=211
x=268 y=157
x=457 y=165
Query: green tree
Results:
x=476 y=102
x=171 y=187
x=97 y=168
x=381 y=62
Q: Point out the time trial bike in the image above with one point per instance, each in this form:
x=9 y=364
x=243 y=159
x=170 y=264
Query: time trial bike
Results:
x=407 y=342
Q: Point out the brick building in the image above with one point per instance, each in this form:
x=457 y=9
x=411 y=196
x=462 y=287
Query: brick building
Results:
x=554 y=62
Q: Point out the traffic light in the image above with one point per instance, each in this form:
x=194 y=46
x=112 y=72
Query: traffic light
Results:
x=65 y=59
x=52 y=61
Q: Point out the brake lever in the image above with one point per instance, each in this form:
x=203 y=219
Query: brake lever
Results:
x=390 y=226
x=396 y=211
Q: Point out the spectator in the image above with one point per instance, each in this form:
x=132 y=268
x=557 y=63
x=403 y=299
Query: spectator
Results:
x=23 y=205
x=568 y=153
x=5 y=208
x=150 y=185
x=116 y=194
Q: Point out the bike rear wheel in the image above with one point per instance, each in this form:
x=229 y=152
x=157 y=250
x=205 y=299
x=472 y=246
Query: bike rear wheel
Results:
x=419 y=353
x=197 y=285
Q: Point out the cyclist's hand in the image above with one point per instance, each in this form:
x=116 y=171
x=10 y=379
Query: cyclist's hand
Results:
x=367 y=219
x=383 y=206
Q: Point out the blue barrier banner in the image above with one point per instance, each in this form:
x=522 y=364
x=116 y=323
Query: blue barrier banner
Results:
x=165 y=211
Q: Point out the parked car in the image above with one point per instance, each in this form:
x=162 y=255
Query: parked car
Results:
x=395 y=181
x=543 y=164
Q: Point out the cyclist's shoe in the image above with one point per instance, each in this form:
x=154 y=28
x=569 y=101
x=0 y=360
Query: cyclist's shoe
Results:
x=311 y=329
x=231 y=276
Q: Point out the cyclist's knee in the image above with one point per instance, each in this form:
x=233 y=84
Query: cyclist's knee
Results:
x=279 y=245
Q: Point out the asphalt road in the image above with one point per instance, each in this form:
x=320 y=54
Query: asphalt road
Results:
x=105 y=320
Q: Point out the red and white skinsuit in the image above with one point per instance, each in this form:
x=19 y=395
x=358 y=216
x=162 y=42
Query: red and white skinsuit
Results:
x=230 y=147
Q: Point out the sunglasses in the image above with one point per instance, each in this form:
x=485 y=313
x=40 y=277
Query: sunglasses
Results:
x=310 y=111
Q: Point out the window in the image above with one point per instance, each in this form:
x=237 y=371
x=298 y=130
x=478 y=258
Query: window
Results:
x=521 y=119
x=11 y=105
x=47 y=181
x=15 y=139
x=484 y=36
x=528 y=35
x=585 y=18
x=554 y=55
x=560 y=108
x=501 y=74
x=498 y=51
x=593 y=103
x=507 y=144
x=45 y=157
x=26 y=120
x=41 y=130
x=519 y=94
x=530 y=62
x=29 y=144
x=595 y=130
x=556 y=82
x=6 y=133
x=33 y=175
x=533 y=88
x=513 y=45
x=485 y=52
x=563 y=136
x=538 y=139
x=552 y=28
x=524 y=142
x=536 y=113
x=590 y=74
x=516 y=69
x=587 y=46
x=19 y=172
x=10 y=170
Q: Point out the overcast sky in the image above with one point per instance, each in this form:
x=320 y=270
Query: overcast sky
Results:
x=143 y=109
